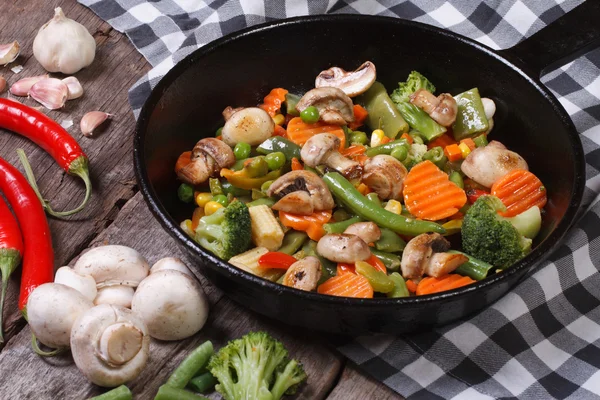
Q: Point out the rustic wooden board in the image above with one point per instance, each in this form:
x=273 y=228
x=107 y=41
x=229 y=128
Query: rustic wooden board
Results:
x=355 y=385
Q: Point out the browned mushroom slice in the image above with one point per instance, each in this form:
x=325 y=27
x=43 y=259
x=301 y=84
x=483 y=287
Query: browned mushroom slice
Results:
x=485 y=165
x=208 y=157
x=367 y=231
x=229 y=111
x=352 y=83
x=443 y=263
x=334 y=106
x=318 y=196
x=303 y=274
x=297 y=202
x=198 y=170
x=418 y=251
x=219 y=151
x=322 y=149
x=343 y=248
x=385 y=176
x=441 y=109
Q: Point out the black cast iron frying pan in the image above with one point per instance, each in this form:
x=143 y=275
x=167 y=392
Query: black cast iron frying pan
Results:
x=240 y=68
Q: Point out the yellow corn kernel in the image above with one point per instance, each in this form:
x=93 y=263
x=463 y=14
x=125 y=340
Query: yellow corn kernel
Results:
x=211 y=207
x=394 y=206
x=187 y=227
x=279 y=119
x=203 y=198
x=453 y=226
x=377 y=137
x=266 y=231
x=248 y=261
x=464 y=150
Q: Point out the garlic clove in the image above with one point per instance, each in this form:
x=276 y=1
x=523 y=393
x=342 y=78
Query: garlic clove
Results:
x=120 y=343
x=9 y=52
x=75 y=88
x=91 y=121
x=51 y=93
x=2 y=84
x=23 y=86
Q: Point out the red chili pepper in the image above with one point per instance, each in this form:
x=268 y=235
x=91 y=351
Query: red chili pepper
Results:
x=276 y=259
x=51 y=137
x=11 y=251
x=474 y=194
x=38 y=257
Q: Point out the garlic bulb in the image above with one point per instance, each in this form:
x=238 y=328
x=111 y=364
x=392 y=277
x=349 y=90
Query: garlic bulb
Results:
x=64 y=45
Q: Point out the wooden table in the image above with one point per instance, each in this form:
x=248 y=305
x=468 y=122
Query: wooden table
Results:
x=117 y=214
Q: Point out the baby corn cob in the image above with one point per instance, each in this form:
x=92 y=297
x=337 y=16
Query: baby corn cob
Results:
x=248 y=261
x=266 y=231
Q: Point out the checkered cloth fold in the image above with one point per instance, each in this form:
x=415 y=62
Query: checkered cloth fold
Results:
x=542 y=340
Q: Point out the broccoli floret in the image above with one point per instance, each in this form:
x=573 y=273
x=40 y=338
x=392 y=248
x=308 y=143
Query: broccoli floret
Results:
x=415 y=155
x=227 y=232
x=254 y=367
x=414 y=82
x=490 y=237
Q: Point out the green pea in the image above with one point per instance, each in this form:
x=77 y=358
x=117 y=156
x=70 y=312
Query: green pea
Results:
x=358 y=137
x=310 y=115
x=275 y=160
x=241 y=150
x=221 y=199
x=399 y=153
x=219 y=132
x=185 y=193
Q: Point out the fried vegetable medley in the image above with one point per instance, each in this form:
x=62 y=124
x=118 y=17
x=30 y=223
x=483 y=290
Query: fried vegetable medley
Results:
x=352 y=190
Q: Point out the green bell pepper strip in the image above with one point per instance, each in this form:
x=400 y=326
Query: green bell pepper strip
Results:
x=379 y=280
x=292 y=242
x=290 y=104
x=400 y=289
x=473 y=268
x=346 y=193
x=386 y=148
x=470 y=117
x=389 y=241
x=436 y=155
x=420 y=121
x=382 y=111
x=340 y=227
x=119 y=393
x=281 y=144
x=391 y=261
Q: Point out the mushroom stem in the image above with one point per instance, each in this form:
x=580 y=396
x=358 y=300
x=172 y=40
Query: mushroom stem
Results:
x=119 y=343
x=349 y=168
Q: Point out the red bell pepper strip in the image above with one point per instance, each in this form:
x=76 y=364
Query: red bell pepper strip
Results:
x=276 y=259
x=474 y=194
x=11 y=251
x=51 y=137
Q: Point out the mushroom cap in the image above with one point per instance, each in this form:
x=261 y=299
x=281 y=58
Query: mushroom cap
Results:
x=84 y=284
x=301 y=181
x=113 y=265
x=317 y=149
x=334 y=106
x=250 y=125
x=173 y=263
x=172 y=305
x=110 y=345
x=485 y=165
x=219 y=151
x=52 y=309
x=366 y=230
x=352 y=83
x=343 y=248
x=229 y=111
x=385 y=176
x=445 y=112
x=418 y=251
x=116 y=295
x=304 y=274
x=441 y=264
x=198 y=170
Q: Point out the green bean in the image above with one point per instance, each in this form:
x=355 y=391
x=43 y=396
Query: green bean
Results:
x=470 y=117
x=119 y=393
x=456 y=178
x=203 y=383
x=185 y=193
x=436 y=155
x=379 y=280
x=480 y=141
x=386 y=148
x=400 y=289
x=420 y=121
x=196 y=360
x=269 y=201
x=215 y=186
x=399 y=153
x=347 y=194
x=390 y=241
x=416 y=138
x=391 y=261
x=340 y=227
x=280 y=144
x=383 y=114
x=292 y=241
x=473 y=268
x=341 y=215
x=374 y=197
x=170 y=393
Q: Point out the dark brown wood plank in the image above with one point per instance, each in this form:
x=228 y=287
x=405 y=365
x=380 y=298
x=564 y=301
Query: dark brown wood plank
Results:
x=117 y=67
x=58 y=378
x=355 y=385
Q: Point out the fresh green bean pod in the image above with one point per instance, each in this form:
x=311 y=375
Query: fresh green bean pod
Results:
x=389 y=241
x=340 y=227
x=456 y=178
x=382 y=111
x=119 y=393
x=188 y=368
x=292 y=242
x=269 y=201
x=386 y=148
x=400 y=289
x=420 y=121
x=281 y=144
x=170 y=393
x=391 y=261
x=346 y=193
x=203 y=383
x=436 y=155
x=470 y=117
x=379 y=280
x=473 y=268
x=374 y=198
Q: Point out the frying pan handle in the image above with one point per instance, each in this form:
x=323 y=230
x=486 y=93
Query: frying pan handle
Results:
x=565 y=39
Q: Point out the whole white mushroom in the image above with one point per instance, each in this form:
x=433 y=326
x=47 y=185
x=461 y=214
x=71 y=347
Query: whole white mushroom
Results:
x=172 y=263
x=85 y=284
x=172 y=304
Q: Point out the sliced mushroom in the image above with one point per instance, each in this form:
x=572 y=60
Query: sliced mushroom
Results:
x=442 y=109
x=229 y=111
x=301 y=192
x=352 y=83
x=343 y=248
x=209 y=156
x=250 y=125
x=425 y=254
x=385 y=176
x=443 y=263
x=367 y=231
x=334 y=106
x=322 y=149
x=303 y=274
x=485 y=165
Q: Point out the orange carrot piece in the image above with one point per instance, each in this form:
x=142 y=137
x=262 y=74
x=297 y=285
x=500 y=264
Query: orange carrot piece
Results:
x=363 y=189
x=408 y=138
x=272 y=102
x=360 y=158
x=299 y=132
x=431 y=285
x=429 y=194
x=442 y=141
x=376 y=263
x=184 y=159
x=453 y=152
x=360 y=115
x=343 y=268
x=470 y=143
x=280 y=131
x=198 y=213
x=519 y=190
x=411 y=286
x=311 y=224
x=354 y=150
x=347 y=285
x=296 y=165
